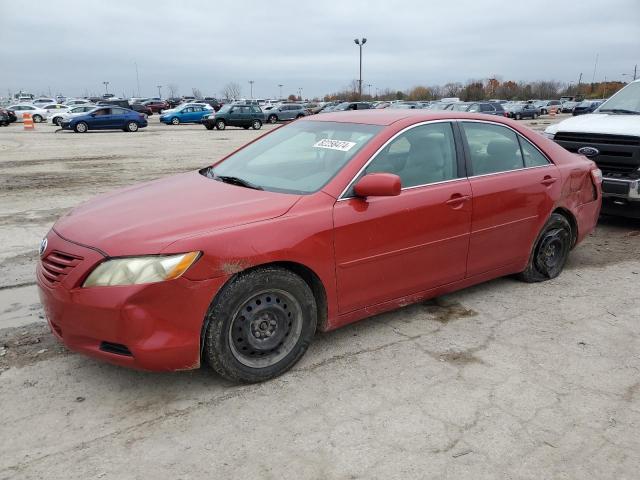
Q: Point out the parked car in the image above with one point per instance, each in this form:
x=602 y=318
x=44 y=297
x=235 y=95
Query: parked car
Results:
x=37 y=114
x=58 y=117
x=173 y=102
x=5 y=120
x=568 y=106
x=55 y=108
x=586 y=106
x=212 y=102
x=246 y=116
x=189 y=113
x=156 y=105
x=488 y=108
x=115 y=102
x=610 y=136
x=518 y=111
x=40 y=102
x=346 y=106
x=313 y=226
x=547 y=106
x=286 y=111
x=106 y=118
x=11 y=114
x=458 y=106
x=140 y=108
x=77 y=101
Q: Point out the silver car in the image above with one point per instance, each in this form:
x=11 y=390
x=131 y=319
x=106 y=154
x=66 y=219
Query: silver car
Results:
x=72 y=111
x=37 y=114
x=286 y=111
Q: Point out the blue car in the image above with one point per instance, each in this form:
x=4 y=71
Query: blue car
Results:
x=106 y=118
x=185 y=114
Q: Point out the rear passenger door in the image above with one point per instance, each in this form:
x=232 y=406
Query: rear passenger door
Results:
x=511 y=198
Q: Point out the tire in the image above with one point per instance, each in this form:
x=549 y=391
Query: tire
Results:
x=220 y=125
x=299 y=116
x=81 y=127
x=518 y=116
x=272 y=119
x=37 y=118
x=256 y=125
x=543 y=112
x=259 y=325
x=175 y=121
x=132 y=127
x=208 y=127
x=550 y=252
x=535 y=115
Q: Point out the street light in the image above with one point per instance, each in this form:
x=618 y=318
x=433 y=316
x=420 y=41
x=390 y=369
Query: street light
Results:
x=251 y=83
x=280 y=85
x=300 y=92
x=360 y=44
x=159 y=91
x=369 y=85
x=106 y=87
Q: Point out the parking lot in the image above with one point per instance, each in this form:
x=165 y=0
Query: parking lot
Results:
x=501 y=380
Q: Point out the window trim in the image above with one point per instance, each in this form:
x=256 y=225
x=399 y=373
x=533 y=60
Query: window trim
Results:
x=456 y=139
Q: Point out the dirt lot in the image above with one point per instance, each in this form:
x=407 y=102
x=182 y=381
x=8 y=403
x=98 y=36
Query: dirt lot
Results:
x=502 y=380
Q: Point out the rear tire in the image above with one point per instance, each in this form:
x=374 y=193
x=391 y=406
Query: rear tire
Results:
x=257 y=125
x=208 y=127
x=272 y=119
x=550 y=252
x=37 y=118
x=220 y=125
x=518 y=116
x=260 y=325
x=175 y=121
x=81 y=127
x=535 y=115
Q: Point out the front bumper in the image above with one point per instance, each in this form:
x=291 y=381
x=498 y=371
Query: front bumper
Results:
x=150 y=327
x=621 y=197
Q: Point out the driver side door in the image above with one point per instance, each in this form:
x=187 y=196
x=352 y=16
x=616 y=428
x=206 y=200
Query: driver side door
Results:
x=390 y=247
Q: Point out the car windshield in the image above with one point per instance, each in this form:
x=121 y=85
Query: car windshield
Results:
x=299 y=158
x=626 y=100
x=225 y=109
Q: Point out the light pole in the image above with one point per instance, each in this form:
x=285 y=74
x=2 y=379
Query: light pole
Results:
x=369 y=85
x=635 y=72
x=106 y=87
x=137 y=77
x=300 y=93
x=280 y=85
x=159 y=91
x=360 y=44
x=251 y=83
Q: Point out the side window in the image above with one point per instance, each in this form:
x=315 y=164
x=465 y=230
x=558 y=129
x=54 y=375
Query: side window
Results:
x=474 y=108
x=492 y=148
x=532 y=156
x=422 y=155
x=118 y=111
x=485 y=107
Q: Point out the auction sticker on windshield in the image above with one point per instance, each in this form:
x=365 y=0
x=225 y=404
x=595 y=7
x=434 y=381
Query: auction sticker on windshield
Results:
x=341 y=145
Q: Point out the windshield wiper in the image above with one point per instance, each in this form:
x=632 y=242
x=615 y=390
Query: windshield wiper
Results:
x=620 y=110
x=237 y=181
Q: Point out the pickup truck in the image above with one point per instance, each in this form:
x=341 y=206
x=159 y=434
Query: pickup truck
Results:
x=610 y=136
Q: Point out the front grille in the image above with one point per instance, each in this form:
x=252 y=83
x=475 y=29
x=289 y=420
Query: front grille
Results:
x=57 y=265
x=619 y=154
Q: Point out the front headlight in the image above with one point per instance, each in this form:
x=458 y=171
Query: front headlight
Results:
x=137 y=270
x=549 y=135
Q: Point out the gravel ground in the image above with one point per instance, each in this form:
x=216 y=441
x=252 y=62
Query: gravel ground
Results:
x=501 y=380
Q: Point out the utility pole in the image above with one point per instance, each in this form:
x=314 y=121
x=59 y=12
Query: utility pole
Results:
x=137 y=77
x=635 y=71
x=360 y=44
x=251 y=83
x=159 y=91
x=595 y=66
x=106 y=87
x=280 y=85
x=369 y=85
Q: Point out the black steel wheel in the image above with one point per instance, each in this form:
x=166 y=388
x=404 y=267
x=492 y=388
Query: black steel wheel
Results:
x=272 y=119
x=259 y=325
x=551 y=250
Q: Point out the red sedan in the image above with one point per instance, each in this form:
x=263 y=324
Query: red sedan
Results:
x=315 y=225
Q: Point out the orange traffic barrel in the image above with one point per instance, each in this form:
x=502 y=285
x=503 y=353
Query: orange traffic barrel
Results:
x=27 y=121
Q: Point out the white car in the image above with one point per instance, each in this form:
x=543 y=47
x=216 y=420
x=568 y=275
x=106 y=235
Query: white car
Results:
x=76 y=101
x=54 y=108
x=37 y=114
x=42 y=101
x=72 y=111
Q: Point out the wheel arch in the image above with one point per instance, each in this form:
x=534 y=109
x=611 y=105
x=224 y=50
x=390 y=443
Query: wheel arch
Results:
x=310 y=277
x=572 y=221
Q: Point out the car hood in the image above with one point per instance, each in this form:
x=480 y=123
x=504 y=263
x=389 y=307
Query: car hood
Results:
x=599 y=123
x=147 y=218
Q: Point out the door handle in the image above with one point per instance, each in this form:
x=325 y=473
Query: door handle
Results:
x=457 y=200
x=548 y=180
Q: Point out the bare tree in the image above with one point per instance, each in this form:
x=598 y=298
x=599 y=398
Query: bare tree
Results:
x=232 y=91
x=173 y=90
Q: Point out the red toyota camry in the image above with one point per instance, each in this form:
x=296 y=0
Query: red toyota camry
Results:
x=315 y=225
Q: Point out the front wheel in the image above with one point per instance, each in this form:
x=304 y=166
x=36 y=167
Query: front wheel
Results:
x=535 y=115
x=208 y=127
x=518 y=116
x=132 y=127
x=220 y=125
x=260 y=325
x=257 y=124
x=81 y=127
x=37 y=118
x=175 y=120
x=550 y=252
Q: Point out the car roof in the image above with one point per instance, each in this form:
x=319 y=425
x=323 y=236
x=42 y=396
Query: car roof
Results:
x=387 y=116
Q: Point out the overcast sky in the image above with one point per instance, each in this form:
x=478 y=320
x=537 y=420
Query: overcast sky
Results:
x=71 y=47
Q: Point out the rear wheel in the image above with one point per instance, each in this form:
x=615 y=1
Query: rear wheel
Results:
x=518 y=116
x=550 y=252
x=175 y=120
x=535 y=115
x=220 y=125
x=208 y=127
x=37 y=118
x=257 y=124
x=260 y=325
x=272 y=119
x=57 y=121
x=81 y=127
x=299 y=116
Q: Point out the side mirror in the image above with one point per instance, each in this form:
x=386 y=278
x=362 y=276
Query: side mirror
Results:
x=378 y=185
